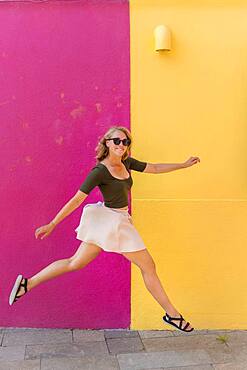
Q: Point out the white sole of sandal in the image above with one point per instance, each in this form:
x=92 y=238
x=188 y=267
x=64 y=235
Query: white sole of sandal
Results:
x=15 y=289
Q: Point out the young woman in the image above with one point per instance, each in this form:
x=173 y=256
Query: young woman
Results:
x=108 y=225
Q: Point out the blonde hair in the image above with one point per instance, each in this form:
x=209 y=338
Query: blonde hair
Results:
x=102 y=149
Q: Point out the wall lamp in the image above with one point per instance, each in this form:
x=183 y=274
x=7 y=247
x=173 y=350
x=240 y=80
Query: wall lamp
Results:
x=162 y=36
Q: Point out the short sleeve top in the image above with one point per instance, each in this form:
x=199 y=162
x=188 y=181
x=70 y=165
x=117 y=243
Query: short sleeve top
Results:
x=114 y=190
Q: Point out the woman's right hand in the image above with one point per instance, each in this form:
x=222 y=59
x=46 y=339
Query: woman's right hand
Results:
x=44 y=230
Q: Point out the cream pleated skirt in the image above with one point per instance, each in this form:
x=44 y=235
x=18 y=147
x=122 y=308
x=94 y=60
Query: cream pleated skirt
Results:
x=111 y=229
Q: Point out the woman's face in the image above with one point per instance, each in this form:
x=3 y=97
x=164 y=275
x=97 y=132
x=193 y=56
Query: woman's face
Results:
x=115 y=149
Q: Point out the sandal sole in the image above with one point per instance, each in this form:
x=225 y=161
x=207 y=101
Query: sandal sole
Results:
x=14 y=290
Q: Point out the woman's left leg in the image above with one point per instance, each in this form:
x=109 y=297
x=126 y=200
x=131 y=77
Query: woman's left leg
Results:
x=145 y=262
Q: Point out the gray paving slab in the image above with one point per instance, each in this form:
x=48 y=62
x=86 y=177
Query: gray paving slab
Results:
x=13 y=337
x=220 y=355
x=190 y=342
x=231 y=366
x=217 y=331
x=12 y=353
x=237 y=337
x=137 y=361
x=120 y=333
x=145 y=334
x=88 y=335
x=85 y=363
x=20 y=365
x=156 y=368
x=66 y=350
x=218 y=351
x=116 y=349
x=200 y=367
x=124 y=345
x=239 y=352
x=178 y=333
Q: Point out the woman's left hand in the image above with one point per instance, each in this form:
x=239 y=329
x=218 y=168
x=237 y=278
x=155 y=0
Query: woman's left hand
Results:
x=191 y=161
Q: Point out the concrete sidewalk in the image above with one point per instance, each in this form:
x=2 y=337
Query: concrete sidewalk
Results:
x=52 y=349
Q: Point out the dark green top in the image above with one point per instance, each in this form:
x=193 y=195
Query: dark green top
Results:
x=114 y=191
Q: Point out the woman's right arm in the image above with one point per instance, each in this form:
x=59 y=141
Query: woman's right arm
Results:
x=93 y=179
x=68 y=208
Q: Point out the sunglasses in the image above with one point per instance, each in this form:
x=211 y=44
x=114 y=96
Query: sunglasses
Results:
x=117 y=141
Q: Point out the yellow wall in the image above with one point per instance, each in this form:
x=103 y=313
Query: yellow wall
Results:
x=191 y=101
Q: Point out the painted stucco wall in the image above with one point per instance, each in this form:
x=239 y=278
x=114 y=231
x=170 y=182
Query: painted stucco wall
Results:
x=64 y=72
x=191 y=102
x=64 y=76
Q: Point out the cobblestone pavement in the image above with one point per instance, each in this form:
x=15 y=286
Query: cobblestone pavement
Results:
x=52 y=349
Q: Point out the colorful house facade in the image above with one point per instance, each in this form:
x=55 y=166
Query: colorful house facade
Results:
x=69 y=71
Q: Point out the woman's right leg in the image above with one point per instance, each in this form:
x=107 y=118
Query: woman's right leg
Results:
x=86 y=253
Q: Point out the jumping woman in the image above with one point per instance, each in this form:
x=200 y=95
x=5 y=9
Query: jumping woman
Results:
x=108 y=225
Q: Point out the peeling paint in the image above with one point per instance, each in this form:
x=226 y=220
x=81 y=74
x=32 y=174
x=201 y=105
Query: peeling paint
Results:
x=5 y=102
x=24 y=124
x=28 y=158
x=77 y=112
x=98 y=107
x=59 y=140
x=12 y=168
x=62 y=95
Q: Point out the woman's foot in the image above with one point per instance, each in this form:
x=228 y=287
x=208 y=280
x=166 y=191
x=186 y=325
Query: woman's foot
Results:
x=179 y=322
x=19 y=289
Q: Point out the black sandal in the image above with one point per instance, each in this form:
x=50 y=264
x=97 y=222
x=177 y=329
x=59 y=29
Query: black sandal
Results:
x=16 y=288
x=168 y=319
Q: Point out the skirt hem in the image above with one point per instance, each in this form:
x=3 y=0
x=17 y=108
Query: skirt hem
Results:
x=110 y=228
x=108 y=250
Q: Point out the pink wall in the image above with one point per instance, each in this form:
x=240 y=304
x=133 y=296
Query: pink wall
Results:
x=64 y=73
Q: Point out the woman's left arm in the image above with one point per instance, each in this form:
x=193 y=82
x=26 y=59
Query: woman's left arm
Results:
x=168 y=167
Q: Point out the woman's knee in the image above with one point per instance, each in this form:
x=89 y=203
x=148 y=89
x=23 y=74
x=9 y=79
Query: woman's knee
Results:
x=74 y=264
x=143 y=260
x=148 y=265
x=148 y=268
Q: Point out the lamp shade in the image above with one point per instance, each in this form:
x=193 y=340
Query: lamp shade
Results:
x=162 y=36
